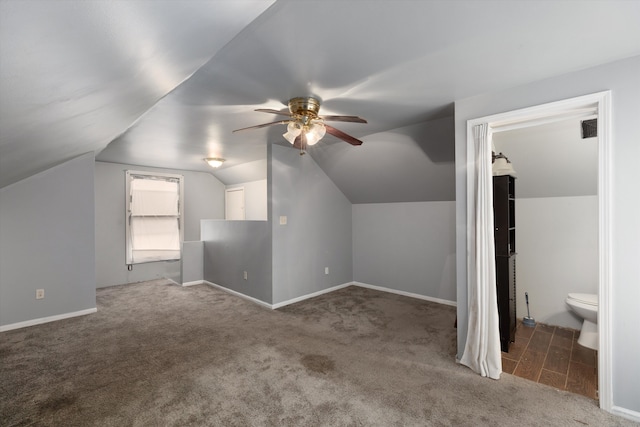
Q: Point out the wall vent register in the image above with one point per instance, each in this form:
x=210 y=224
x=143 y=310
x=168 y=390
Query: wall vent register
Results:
x=589 y=128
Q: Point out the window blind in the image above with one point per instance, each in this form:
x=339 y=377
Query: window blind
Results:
x=154 y=217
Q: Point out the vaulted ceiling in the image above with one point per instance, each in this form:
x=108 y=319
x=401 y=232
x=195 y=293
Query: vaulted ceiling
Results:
x=164 y=83
x=551 y=159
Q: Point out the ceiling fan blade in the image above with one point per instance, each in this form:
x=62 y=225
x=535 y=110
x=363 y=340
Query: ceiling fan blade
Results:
x=272 y=111
x=281 y=122
x=352 y=119
x=343 y=136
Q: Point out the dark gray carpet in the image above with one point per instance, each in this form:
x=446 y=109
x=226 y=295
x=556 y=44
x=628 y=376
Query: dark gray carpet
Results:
x=156 y=354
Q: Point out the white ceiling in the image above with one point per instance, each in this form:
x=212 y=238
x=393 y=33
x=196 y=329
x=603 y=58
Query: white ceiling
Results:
x=164 y=83
x=74 y=75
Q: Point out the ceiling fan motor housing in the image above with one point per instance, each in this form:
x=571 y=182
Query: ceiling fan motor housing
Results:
x=305 y=108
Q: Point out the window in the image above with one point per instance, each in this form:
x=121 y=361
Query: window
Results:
x=154 y=217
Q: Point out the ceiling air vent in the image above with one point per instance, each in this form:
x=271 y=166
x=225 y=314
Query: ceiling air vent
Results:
x=589 y=128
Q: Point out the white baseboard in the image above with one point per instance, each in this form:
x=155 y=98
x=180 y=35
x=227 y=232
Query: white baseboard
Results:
x=311 y=295
x=406 y=294
x=195 y=282
x=48 y=319
x=238 y=294
x=172 y=281
x=280 y=304
x=626 y=413
x=324 y=291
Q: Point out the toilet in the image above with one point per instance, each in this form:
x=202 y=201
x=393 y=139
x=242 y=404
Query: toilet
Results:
x=586 y=306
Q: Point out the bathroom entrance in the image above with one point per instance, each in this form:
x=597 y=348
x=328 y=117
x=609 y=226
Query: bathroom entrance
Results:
x=556 y=234
x=597 y=105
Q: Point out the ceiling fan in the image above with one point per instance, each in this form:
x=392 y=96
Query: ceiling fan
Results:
x=305 y=127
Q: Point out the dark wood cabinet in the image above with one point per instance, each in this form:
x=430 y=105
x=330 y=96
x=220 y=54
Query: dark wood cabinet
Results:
x=505 y=244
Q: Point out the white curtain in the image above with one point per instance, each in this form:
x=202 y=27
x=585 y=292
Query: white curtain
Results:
x=482 y=351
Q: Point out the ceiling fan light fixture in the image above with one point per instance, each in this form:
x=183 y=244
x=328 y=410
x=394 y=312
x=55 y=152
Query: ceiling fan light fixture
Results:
x=214 y=162
x=303 y=117
x=315 y=133
x=294 y=129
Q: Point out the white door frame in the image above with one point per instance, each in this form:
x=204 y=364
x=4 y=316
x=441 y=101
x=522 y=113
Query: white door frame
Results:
x=600 y=104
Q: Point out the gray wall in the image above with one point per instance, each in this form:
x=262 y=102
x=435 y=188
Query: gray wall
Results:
x=47 y=242
x=557 y=245
x=232 y=247
x=621 y=78
x=406 y=246
x=318 y=231
x=192 y=262
x=203 y=199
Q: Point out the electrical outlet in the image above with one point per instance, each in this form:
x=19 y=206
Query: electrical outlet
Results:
x=245 y=275
x=326 y=270
x=39 y=293
x=283 y=220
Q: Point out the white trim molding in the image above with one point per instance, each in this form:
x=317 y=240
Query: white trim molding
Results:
x=601 y=103
x=172 y=281
x=311 y=295
x=48 y=319
x=406 y=294
x=325 y=291
x=626 y=413
x=238 y=294
x=605 y=280
x=195 y=282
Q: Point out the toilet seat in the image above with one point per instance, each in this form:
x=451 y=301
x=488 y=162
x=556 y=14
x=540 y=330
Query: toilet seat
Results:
x=587 y=299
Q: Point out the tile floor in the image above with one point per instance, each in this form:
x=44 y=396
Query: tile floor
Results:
x=551 y=355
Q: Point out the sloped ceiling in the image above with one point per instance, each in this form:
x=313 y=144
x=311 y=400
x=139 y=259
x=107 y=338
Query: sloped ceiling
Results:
x=164 y=83
x=74 y=75
x=551 y=160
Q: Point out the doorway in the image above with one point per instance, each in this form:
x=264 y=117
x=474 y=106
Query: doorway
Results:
x=600 y=105
x=234 y=204
x=556 y=224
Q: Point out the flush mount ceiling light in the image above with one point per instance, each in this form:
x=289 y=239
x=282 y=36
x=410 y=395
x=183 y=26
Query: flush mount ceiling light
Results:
x=305 y=127
x=214 y=162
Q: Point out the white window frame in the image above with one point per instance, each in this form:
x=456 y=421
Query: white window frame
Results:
x=130 y=175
